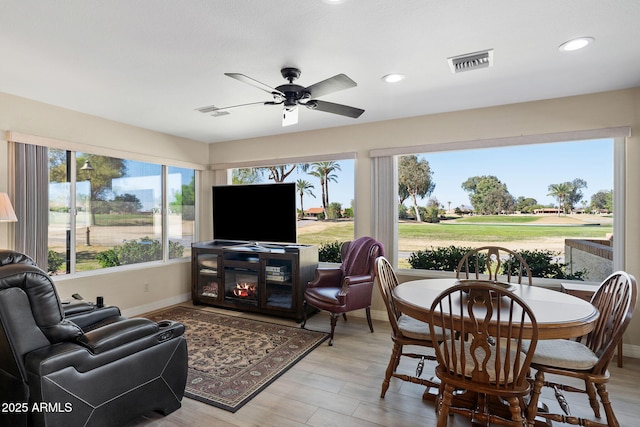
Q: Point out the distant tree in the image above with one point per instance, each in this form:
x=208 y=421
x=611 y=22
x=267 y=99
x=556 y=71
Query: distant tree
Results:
x=185 y=200
x=403 y=212
x=602 y=200
x=101 y=175
x=526 y=204
x=124 y=203
x=560 y=192
x=432 y=211
x=304 y=187
x=334 y=210
x=281 y=172
x=403 y=194
x=246 y=176
x=568 y=194
x=575 y=195
x=488 y=195
x=415 y=178
x=324 y=172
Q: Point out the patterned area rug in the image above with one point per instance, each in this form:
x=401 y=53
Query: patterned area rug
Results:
x=232 y=359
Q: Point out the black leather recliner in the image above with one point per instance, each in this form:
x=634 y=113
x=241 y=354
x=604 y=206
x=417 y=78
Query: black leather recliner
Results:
x=82 y=366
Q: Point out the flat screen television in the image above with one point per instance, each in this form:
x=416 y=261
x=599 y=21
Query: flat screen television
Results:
x=255 y=213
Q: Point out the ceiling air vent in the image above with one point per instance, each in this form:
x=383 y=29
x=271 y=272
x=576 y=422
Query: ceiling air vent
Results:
x=471 y=61
x=215 y=111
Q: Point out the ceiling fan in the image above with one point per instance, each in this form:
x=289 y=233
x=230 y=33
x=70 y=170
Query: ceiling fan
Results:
x=291 y=95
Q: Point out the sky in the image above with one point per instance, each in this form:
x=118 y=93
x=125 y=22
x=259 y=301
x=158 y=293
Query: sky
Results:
x=526 y=170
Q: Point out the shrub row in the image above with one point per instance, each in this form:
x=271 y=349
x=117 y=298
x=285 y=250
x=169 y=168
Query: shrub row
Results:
x=543 y=263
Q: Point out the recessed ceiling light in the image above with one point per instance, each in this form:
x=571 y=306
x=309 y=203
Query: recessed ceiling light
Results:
x=575 y=44
x=333 y=1
x=393 y=78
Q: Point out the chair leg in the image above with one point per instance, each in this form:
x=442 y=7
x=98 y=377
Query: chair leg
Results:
x=516 y=411
x=606 y=403
x=344 y=316
x=593 y=399
x=334 y=320
x=445 y=404
x=532 y=409
x=391 y=367
x=304 y=312
x=369 y=318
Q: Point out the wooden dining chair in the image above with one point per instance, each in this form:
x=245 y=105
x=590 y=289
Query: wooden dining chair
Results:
x=494 y=261
x=588 y=357
x=405 y=331
x=481 y=363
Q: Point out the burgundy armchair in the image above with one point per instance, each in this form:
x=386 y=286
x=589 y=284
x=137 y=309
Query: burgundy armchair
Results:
x=348 y=287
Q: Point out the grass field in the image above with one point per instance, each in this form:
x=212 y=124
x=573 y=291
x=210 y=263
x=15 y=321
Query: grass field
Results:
x=496 y=232
x=489 y=229
x=515 y=232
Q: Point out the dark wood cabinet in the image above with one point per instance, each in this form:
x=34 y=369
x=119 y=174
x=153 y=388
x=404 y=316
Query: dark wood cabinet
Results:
x=269 y=278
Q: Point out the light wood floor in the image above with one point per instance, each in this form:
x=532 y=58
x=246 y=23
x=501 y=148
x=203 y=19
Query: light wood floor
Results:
x=340 y=386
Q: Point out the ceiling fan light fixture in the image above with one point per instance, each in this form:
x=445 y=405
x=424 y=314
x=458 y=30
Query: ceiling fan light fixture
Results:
x=393 y=78
x=576 y=44
x=289 y=115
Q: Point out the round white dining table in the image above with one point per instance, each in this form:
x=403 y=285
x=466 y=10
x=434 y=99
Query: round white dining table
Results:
x=559 y=315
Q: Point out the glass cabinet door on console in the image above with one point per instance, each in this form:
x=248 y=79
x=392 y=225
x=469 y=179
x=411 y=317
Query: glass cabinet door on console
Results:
x=279 y=289
x=207 y=278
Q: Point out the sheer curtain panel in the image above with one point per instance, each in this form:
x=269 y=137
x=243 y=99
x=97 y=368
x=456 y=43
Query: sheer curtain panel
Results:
x=29 y=191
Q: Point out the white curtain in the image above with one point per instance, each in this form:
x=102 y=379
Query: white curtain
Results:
x=384 y=209
x=30 y=196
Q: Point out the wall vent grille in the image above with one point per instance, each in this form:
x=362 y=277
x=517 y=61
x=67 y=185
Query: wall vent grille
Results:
x=471 y=61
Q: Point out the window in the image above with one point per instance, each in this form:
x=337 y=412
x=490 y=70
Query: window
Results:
x=325 y=196
x=106 y=211
x=553 y=202
x=181 y=218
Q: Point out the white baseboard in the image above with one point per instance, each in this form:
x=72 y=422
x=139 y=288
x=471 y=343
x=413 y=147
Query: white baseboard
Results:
x=156 y=305
x=629 y=350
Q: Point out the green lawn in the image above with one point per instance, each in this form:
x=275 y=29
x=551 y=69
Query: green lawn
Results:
x=334 y=231
x=495 y=233
x=469 y=231
x=498 y=219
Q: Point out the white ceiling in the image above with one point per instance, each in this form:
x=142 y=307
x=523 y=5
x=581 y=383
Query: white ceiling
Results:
x=151 y=63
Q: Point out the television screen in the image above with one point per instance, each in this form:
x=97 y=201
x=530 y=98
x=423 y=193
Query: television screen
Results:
x=256 y=213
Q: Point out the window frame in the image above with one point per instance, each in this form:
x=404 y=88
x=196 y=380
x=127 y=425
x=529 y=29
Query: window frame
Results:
x=164 y=237
x=381 y=158
x=223 y=171
x=164 y=162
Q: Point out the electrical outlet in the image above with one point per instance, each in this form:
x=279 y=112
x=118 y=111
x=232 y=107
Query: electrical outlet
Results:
x=146 y=287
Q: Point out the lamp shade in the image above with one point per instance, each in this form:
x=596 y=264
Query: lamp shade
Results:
x=6 y=209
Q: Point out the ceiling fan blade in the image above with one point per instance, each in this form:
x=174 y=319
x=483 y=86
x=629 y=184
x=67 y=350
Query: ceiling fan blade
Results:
x=216 y=110
x=330 y=107
x=254 y=83
x=330 y=85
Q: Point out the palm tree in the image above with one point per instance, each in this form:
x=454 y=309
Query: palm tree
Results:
x=560 y=192
x=318 y=174
x=304 y=187
x=324 y=172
